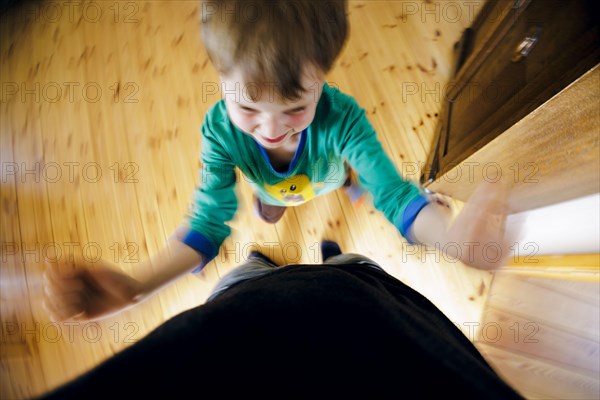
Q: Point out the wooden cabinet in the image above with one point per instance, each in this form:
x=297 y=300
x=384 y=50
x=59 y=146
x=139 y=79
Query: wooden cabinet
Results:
x=523 y=104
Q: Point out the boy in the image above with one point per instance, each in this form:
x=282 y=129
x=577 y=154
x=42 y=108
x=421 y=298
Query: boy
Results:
x=291 y=135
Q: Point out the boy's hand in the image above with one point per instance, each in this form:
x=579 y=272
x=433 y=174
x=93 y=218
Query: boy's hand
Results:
x=480 y=228
x=85 y=291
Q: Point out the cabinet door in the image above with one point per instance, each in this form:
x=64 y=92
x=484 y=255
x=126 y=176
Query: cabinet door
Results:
x=536 y=53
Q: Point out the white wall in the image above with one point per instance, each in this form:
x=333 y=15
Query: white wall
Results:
x=571 y=227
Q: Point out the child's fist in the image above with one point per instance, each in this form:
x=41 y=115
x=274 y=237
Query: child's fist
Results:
x=86 y=291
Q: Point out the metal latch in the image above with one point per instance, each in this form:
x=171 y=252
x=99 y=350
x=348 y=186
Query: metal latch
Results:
x=526 y=45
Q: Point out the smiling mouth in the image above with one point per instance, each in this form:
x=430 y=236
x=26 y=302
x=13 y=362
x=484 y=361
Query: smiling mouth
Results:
x=276 y=140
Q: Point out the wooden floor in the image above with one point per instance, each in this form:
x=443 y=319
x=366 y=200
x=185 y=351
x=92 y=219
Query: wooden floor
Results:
x=541 y=328
x=101 y=108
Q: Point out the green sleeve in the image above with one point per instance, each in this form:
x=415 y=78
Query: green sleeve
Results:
x=376 y=172
x=215 y=201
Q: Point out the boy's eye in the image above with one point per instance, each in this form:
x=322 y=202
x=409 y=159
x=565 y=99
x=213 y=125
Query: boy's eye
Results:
x=247 y=109
x=298 y=110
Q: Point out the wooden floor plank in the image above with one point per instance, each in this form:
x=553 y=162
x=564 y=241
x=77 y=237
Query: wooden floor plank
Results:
x=541 y=332
x=534 y=376
x=533 y=338
x=517 y=294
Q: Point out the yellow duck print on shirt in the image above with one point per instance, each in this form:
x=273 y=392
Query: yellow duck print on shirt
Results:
x=294 y=190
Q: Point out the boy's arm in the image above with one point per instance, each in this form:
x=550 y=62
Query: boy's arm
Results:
x=431 y=226
x=477 y=237
x=347 y=132
x=171 y=262
x=215 y=201
x=89 y=291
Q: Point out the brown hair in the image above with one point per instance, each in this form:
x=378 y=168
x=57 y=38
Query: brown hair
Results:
x=272 y=41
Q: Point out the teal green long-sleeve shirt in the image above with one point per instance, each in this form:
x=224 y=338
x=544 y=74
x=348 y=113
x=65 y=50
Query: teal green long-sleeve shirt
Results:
x=340 y=133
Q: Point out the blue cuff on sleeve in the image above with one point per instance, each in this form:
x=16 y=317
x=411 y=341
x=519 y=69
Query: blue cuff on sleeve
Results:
x=201 y=244
x=410 y=214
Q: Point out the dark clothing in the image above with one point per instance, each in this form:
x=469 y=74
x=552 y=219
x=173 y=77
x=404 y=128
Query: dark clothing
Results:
x=314 y=331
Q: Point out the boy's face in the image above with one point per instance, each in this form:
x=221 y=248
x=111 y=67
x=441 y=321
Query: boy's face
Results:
x=272 y=122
